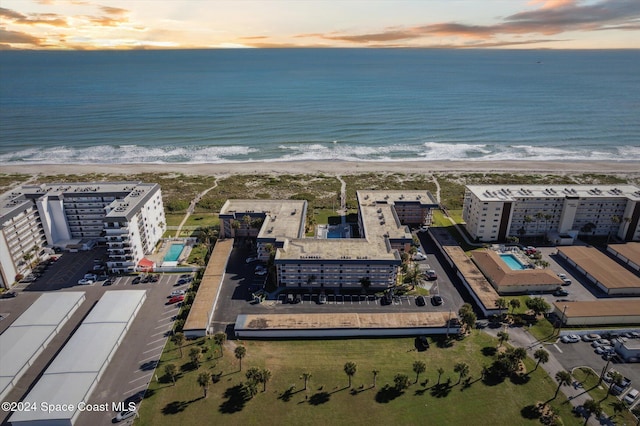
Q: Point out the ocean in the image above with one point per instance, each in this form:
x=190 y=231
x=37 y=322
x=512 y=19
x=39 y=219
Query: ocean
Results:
x=217 y=106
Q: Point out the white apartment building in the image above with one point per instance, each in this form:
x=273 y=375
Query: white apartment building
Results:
x=560 y=212
x=128 y=216
x=331 y=262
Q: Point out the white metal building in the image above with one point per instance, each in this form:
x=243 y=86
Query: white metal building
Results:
x=494 y=212
x=129 y=216
x=75 y=371
x=31 y=333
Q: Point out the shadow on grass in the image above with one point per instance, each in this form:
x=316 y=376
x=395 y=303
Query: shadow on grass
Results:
x=530 y=412
x=188 y=366
x=493 y=378
x=520 y=379
x=443 y=342
x=489 y=351
x=387 y=394
x=235 y=400
x=176 y=407
x=319 y=398
x=441 y=390
x=288 y=394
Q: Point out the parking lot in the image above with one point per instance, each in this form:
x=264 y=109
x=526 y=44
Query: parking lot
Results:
x=581 y=354
x=133 y=364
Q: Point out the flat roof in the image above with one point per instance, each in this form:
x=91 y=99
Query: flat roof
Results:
x=518 y=192
x=600 y=308
x=74 y=372
x=337 y=249
x=478 y=282
x=202 y=306
x=282 y=218
x=503 y=276
x=629 y=250
x=600 y=266
x=30 y=333
x=422 y=197
x=343 y=320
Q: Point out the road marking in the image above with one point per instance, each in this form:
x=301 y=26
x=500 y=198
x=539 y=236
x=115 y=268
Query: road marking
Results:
x=154 y=349
x=556 y=346
x=148 y=358
x=155 y=341
x=161 y=326
x=167 y=318
x=162 y=332
x=140 y=378
x=132 y=391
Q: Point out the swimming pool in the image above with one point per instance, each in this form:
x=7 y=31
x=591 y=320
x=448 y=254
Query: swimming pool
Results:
x=173 y=253
x=512 y=262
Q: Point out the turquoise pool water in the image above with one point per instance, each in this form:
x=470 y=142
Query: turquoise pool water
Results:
x=173 y=253
x=512 y=262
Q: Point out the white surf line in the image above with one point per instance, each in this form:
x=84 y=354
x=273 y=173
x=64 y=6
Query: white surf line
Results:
x=556 y=346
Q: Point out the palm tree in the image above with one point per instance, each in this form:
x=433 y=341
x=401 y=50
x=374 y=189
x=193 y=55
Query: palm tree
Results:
x=539 y=216
x=240 y=353
x=462 y=368
x=616 y=379
x=564 y=378
x=219 y=339
x=306 y=376
x=547 y=218
x=375 y=373
x=350 y=370
x=419 y=367
x=501 y=304
x=265 y=376
x=440 y=371
x=515 y=304
x=204 y=380
x=179 y=339
x=541 y=356
x=171 y=370
x=250 y=389
x=208 y=237
x=591 y=407
x=618 y=407
x=503 y=336
x=401 y=381
x=195 y=354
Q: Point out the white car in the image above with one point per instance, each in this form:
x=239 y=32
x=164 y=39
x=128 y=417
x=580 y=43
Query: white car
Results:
x=590 y=337
x=419 y=256
x=251 y=259
x=600 y=350
x=600 y=342
x=631 y=396
x=123 y=415
x=177 y=293
x=562 y=276
x=570 y=338
x=85 y=281
x=259 y=268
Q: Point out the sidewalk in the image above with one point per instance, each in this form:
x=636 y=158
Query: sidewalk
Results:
x=518 y=337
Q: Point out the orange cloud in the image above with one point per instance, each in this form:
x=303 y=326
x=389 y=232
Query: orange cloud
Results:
x=33 y=19
x=16 y=37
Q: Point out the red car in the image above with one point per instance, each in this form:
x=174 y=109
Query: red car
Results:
x=175 y=299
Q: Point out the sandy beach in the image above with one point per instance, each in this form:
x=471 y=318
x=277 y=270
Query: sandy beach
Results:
x=335 y=167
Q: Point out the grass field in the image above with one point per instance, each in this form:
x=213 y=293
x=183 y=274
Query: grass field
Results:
x=328 y=400
x=599 y=393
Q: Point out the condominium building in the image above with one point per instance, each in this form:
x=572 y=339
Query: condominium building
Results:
x=373 y=257
x=128 y=216
x=559 y=212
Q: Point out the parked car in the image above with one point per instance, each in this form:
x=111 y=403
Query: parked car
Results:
x=185 y=276
x=85 y=281
x=562 y=276
x=176 y=299
x=601 y=350
x=181 y=281
x=91 y=276
x=175 y=293
x=431 y=274
x=420 y=301
x=560 y=292
x=437 y=300
x=631 y=396
x=251 y=259
x=155 y=278
x=136 y=280
x=600 y=342
x=617 y=389
x=123 y=415
x=8 y=295
x=322 y=299
x=261 y=272
x=566 y=281
x=107 y=282
x=419 y=256
x=570 y=338
x=590 y=337
x=146 y=279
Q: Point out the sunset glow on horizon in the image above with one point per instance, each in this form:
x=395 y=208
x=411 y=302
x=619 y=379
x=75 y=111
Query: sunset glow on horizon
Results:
x=184 y=24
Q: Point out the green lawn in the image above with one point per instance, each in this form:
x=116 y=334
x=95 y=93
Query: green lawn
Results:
x=203 y=219
x=589 y=380
x=328 y=400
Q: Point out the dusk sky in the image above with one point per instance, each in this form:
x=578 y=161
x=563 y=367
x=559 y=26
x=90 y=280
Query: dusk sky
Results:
x=153 y=24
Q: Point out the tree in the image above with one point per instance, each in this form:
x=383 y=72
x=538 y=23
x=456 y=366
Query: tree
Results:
x=375 y=373
x=253 y=374
x=219 y=339
x=204 y=380
x=539 y=216
x=616 y=379
x=591 y=407
x=350 y=370
x=515 y=304
x=419 y=367
x=257 y=375
x=250 y=389
x=501 y=304
x=563 y=378
x=541 y=356
x=467 y=316
x=240 y=353
x=208 y=237
x=171 y=370
x=440 y=371
x=195 y=355
x=306 y=376
x=265 y=376
x=503 y=336
x=618 y=407
x=179 y=339
x=462 y=369
x=401 y=381
x=538 y=305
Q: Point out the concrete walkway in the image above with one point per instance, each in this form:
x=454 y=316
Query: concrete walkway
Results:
x=518 y=337
x=192 y=206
